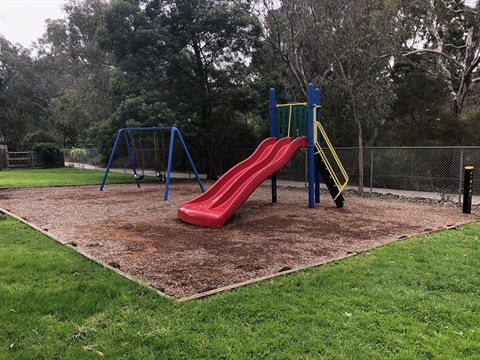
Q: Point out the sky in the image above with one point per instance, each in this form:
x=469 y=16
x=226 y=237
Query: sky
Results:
x=23 y=21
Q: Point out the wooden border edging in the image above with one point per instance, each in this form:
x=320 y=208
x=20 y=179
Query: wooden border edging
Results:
x=262 y=278
x=290 y=271
x=53 y=237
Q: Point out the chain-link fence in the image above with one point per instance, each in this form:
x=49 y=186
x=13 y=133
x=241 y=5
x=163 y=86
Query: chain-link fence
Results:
x=431 y=169
x=155 y=159
x=82 y=158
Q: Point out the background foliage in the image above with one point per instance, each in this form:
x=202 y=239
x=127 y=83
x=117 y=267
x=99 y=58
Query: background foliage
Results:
x=392 y=72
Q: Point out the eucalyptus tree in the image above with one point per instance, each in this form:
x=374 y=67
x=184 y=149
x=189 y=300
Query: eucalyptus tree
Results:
x=188 y=56
x=449 y=31
x=27 y=86
x=420 y=102
x=339 y=45
x=14 y=62
x=70 y=42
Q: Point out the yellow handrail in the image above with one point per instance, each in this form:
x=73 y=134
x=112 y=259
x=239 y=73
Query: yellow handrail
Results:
x=334 y=176
x=318 y=127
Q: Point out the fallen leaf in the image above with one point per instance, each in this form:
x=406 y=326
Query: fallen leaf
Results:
x=89 y=348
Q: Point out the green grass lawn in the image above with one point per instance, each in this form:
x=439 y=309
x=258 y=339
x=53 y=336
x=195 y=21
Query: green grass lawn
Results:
x=416 y=299
x=61 y=177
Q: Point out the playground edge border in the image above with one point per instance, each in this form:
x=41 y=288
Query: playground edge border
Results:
x=311 y=266
x=53 y=237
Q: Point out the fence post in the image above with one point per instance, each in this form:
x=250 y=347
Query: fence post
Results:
x=3 y=157
x=33 y=161
x=460 y=176
x=371 y=170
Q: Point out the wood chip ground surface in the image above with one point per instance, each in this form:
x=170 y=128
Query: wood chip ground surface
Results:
x=135 y=230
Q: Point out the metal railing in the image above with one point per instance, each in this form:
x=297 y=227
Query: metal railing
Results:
x=334 y=173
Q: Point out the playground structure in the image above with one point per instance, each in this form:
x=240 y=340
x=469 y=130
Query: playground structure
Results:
x=173 y=131
x=292 y=126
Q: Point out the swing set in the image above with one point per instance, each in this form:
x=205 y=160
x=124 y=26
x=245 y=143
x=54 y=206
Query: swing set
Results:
x=137 y=148
x=173 y=131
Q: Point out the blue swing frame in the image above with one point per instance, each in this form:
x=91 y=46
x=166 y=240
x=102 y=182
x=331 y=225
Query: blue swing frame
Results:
x=173 y=131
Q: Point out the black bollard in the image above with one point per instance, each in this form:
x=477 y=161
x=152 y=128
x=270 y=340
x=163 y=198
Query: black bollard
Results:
x=467 y=190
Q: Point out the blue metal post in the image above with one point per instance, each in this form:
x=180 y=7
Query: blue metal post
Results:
x=317 y=172
x=273 y=130
x=170 y=157
x=112 y=155
x=310 y=146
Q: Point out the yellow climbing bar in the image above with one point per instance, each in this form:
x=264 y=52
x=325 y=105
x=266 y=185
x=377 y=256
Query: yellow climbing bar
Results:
x=319 y=133
x=340 y=185
x=291 y=104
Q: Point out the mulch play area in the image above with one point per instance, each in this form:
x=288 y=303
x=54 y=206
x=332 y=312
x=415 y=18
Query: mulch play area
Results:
x=135 y=231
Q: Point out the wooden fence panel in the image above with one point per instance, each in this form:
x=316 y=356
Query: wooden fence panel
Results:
x=30 y=160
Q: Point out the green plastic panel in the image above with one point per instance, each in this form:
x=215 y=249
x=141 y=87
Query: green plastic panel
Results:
x=299 y=126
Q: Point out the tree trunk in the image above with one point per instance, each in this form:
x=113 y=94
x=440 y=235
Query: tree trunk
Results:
x=212 y=173
x=359 y=126
x=460 y=98
x=206 y=111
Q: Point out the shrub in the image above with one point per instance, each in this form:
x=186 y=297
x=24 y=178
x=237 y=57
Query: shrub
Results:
x=40 y=136
x=78 y=155
x=50 y=152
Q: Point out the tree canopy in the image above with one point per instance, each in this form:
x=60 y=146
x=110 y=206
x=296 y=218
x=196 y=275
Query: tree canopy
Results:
x=182 y=62
x=392 y=72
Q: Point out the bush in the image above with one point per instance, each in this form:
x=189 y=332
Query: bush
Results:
x=78 y=155
x=40 y=136
x=50 y=152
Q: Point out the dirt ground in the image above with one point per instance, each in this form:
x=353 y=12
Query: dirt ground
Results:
x=136 y=231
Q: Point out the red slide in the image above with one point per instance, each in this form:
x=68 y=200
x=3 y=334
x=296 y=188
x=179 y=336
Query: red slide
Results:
x=215 y=206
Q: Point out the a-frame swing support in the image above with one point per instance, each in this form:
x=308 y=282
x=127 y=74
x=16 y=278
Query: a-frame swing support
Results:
x=173 y=131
